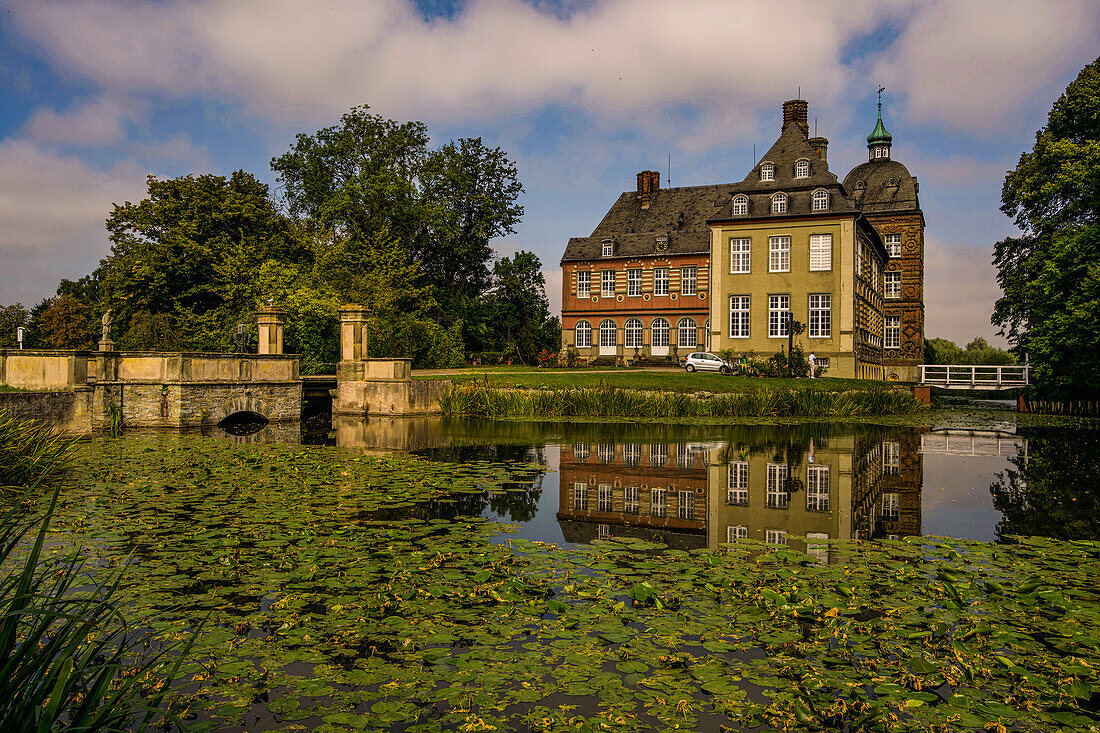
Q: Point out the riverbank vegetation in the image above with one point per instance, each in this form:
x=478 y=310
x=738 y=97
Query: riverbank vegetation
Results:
x=343 y=592
x=68 y=659
x=485 y=401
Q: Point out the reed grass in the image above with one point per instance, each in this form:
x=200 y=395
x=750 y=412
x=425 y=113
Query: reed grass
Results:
x=31 y=453
x=481 y=400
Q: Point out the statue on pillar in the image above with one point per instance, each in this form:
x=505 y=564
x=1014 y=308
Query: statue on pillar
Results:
x=105 y=342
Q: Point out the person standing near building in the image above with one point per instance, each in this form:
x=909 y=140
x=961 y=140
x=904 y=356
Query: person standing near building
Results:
x=812 y=360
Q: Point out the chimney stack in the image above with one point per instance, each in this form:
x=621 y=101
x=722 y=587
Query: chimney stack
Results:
x=796 y=111
x=648 y=184
x=820 y=146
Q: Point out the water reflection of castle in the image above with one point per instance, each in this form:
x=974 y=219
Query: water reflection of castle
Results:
x=700 y=495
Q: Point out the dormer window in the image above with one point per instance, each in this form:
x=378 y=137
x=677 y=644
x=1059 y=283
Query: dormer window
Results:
x=767 y=172
x=740 y=204
x=608 y=248
x=821 y=200
x=779 y=203
x=892 y=182
x=802 y=168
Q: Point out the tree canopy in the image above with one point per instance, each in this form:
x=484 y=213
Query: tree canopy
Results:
x=1050 y=274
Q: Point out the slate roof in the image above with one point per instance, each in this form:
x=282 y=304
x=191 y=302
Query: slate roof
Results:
x=679 y=213
x=876 y=194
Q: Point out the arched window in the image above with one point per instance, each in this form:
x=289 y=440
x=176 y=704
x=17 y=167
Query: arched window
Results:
x=779 y=203
x=689 y=336
x=740 y=204
x=607 y=333
x=633 y=330
x=767 y=172
x=659 y=333
x=802 y=168
x=583 y=334
x=821 y=200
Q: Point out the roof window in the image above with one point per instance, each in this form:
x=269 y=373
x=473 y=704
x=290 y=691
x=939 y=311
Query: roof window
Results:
x=608 y=248
x=802 y=168
x=740 y=204
x=767 y=172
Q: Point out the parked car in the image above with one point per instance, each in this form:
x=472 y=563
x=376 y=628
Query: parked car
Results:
x=705 y=361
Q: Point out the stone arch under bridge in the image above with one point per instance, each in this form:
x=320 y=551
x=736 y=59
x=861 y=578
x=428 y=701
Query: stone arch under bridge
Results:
x=242 y=404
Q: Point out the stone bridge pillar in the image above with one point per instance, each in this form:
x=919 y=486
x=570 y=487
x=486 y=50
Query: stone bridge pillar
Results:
x=353 y=332
x=270 y=322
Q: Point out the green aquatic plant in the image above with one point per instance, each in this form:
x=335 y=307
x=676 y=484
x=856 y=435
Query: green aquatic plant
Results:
x=31 y=452
x=343 y=588
x=476 y=399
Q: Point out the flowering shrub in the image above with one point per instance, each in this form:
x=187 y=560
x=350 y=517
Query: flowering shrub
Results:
x=547 y=358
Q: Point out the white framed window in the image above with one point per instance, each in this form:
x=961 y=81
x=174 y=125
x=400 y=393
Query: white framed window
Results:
x=802 y=168
x=822 y=362
x=778 y=307
x=891 y=507
x=688 y=335
x=684 y=456
x=740 y=255
x=658 y=454
x=580 y=496
x=779 y=203
x=603 y=531
x=604 y=498
x=582 y=334
x=605 y=452
x=584 y=284
x=688 y=282
x=893 y=244
x=685 y=505
x=736 y=533
x=821 y=252
x=631 y=499
x=817 y=546
x=580 y=451
x=892 y=285
x=608 y=248
x=739 y=316
x=821 y=200
x=633 y=333
x=779 y=254
x=891 y=458
x=633 y=282
x=658 y=498
x=767 y=172
x=776 y=537
x=740 y=204
x=607 y=283
x=632 y=453
x=778 y=496
x=608 y=334
x=891 y=332
x=817 y=488
x=660 y=281
x=821 y=315
x=659 y=332
x=737 y=490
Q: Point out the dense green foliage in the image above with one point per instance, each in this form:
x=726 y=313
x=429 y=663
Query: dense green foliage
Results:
x=1050 y=274
x=480 y=400
x=31 y=452
x=978 y=351
x=345 y=588
x=520 y=310
x=11 y=318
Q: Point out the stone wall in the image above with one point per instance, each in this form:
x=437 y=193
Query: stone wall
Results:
x=389 y=397
x=39 y=369
x=192 y=404
x=68 y=410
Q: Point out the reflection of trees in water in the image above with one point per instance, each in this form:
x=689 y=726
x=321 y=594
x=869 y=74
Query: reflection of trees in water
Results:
x=518 y=504
x=1053 y=489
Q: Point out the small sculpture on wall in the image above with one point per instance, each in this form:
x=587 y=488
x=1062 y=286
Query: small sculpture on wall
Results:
x=105 y=343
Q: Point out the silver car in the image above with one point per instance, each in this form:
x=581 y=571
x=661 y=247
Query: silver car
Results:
x=705 y=361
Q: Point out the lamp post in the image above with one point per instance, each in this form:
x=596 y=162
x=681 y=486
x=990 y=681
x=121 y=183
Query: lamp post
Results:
x=790 y=341
x=19 y=336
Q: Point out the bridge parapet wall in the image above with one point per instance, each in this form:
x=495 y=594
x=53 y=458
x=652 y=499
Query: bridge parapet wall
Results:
x=42 y=369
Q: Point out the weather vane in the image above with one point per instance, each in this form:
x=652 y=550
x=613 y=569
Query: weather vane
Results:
x=881 y=89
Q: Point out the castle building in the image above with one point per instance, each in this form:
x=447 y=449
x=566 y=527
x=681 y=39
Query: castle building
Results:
x=670 y=271
x=886 y=195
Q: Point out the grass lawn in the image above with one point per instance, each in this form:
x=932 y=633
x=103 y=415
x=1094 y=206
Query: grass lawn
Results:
x=672 y=380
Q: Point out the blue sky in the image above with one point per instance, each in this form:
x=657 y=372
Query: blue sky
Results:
x=97 y=94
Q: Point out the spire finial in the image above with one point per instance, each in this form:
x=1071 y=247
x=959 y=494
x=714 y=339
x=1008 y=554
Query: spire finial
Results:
x=881 y=89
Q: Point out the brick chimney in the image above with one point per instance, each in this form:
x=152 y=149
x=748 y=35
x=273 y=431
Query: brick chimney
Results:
x=820 y=146
x=796 y=110
x=648 y=184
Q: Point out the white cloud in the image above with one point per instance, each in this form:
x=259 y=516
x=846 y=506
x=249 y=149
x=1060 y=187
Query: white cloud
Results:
x=294 y=60
x=53 y=208
x=97 y=122
x=972 y=64
x=960 y=289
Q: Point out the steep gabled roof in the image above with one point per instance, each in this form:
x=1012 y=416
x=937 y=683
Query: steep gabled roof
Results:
x=783 y=154
x=680 y=214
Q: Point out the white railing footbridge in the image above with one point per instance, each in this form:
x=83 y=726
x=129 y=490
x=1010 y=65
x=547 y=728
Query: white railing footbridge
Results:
x=954 y=376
